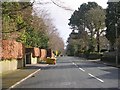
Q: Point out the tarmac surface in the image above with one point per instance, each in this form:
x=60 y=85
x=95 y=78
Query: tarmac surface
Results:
x=69 y=72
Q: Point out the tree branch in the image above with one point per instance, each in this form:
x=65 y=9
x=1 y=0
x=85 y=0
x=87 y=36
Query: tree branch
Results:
x=15 y=30
x=66 y=8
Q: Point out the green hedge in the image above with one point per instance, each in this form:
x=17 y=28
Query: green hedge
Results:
x=110 y=57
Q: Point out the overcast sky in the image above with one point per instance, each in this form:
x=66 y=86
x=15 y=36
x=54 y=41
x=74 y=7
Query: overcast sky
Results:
x=60 y=16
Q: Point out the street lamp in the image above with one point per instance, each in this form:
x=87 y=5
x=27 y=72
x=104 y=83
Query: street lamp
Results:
x=116 y=32
x=116 y=43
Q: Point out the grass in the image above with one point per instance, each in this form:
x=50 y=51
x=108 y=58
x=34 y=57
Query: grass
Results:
x=9 y=79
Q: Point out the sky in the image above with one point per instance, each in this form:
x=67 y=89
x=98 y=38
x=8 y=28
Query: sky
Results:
x=60 y=16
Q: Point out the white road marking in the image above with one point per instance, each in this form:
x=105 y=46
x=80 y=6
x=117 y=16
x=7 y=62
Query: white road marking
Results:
x=89 y=73
x=24 y=79
x=104 y=63
x=100 y=67
x=82 y=69
x=96 y=77
x=73 y=63
x=78 y=67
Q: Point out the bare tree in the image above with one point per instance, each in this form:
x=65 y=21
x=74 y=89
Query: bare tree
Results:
x=55 y=41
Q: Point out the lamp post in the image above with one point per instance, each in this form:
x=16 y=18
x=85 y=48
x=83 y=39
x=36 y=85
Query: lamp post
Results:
x=116 y=33
x=116 y=43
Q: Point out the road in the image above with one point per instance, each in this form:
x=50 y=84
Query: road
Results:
x=72 y=72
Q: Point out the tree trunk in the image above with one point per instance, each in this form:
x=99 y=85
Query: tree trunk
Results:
x=91 y=45
x=98 y=41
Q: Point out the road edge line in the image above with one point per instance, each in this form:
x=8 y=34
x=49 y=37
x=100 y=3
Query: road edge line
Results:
x=23 y=79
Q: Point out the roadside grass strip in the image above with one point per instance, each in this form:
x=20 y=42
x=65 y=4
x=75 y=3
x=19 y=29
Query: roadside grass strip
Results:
x=24 y=79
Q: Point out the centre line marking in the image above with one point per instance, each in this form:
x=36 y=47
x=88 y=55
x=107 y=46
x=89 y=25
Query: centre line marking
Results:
x=82 y=69
x=96 y=77
x=76 y=65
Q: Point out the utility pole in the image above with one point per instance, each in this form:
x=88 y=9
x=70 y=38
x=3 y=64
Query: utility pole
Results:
x=116 y=44
x=116 y=31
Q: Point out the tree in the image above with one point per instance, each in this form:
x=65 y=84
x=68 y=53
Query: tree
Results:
x=76 y=43
x=35 y=33
x=55 y=41
x=89 y=16
x=29 y=29
x=78 y=16
x=96 y=18
x=13 y=18
x=23 y=23
x=112 y=18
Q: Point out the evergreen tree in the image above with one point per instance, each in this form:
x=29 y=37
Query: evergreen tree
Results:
x=112 y=18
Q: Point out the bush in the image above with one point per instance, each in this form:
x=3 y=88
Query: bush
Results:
x=94 y=56
x=86 y=53
x=110 y=57
x=103 y=50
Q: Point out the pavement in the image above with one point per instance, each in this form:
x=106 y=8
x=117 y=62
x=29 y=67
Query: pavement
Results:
x=106 y=63
x=13 y=78
x=102 y=62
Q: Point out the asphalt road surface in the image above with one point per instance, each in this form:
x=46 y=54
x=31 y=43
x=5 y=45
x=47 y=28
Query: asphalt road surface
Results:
x=72 y=72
